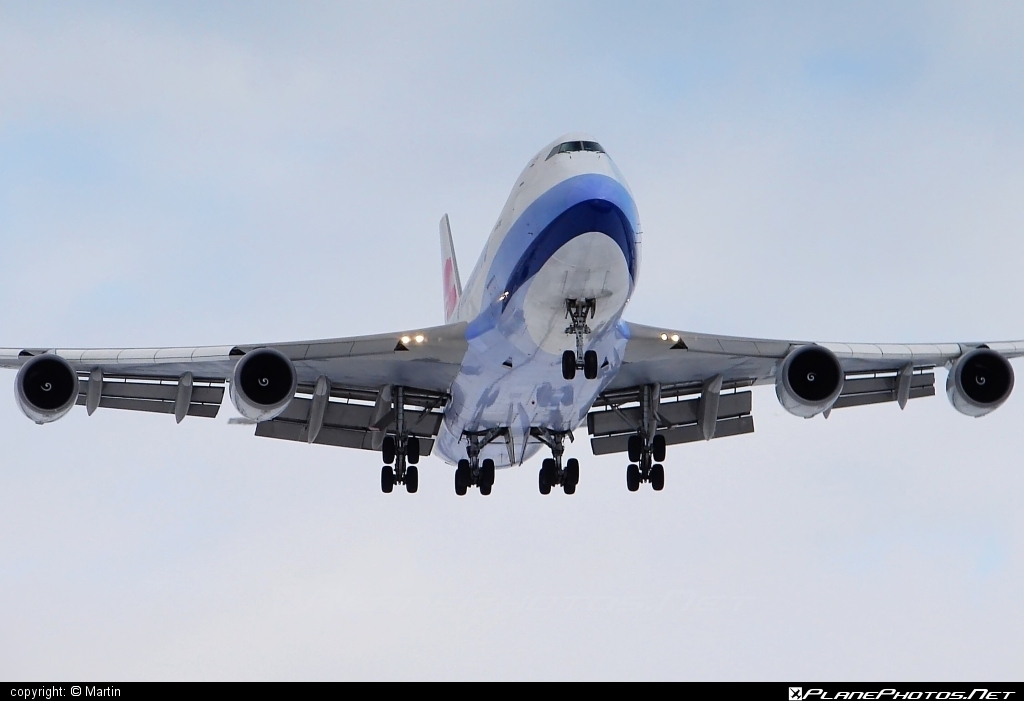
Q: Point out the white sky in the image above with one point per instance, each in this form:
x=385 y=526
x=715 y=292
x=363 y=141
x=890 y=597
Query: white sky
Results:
x=202 y=174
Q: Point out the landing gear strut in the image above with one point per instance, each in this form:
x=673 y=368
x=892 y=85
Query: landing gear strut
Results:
x=646 y=448
x=472 y=471
x=401 y=449
x=552 y=474
x=577 y=311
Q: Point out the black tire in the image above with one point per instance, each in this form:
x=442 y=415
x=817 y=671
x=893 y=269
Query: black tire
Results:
x=550 y=468
x=658 y=449
x=387 y=450
x=543 y=481
x=569 y=488
x=487 y=474
x=635 y=448
x=412 y=450
x=462 y=478
x=572 y=474
x=387 y=479
x=658 y=476
x=633 y=478
x=412 y=479
x=590 y=365
x=568 y=365
x=485 y=490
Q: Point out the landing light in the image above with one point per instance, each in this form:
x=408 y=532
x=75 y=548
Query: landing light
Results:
x=664 y=337
x=675 y=338
x=406 y=339
x=419 y=338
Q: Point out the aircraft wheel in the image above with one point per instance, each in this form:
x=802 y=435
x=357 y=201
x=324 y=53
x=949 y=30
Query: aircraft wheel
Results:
x=485 y=489
x=387 y=479
x=412 y=479
x=633 y=478
x=462 y=478
x=635 y=448
x=544 y=476
x=658 y=449
x=487 y=474
x=590 y=365
x=412 y=450
x=568 y=365
x=387 y=450
x=572 y=474
x=658 y=477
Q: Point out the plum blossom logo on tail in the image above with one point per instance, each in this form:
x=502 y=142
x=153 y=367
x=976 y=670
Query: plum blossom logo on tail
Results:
x=451 y=293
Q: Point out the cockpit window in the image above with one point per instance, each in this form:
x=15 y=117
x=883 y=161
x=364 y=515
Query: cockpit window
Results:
x=571 y=146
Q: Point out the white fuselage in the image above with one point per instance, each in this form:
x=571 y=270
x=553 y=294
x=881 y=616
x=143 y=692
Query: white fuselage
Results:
x=568 y=231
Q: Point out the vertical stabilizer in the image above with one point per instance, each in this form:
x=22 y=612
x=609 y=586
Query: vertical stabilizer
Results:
x=449 y=272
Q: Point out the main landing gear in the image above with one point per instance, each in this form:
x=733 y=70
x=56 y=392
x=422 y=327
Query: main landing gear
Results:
x=401 y=449
x=473 y=472
x=645 y=462
x=646 y=448
x=577 y=311
x=552 y=474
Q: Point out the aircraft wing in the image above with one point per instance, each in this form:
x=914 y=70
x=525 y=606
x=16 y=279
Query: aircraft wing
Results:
x=680 y=368
x=361 y=371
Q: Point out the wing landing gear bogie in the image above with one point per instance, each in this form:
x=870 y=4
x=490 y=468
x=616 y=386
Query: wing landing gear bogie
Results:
x=646 y=448
x=647 y=467
x=400 y=452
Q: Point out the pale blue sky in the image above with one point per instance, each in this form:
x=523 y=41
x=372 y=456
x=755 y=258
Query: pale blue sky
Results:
x=195 y=173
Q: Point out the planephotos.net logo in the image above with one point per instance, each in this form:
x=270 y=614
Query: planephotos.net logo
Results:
x=797 y=693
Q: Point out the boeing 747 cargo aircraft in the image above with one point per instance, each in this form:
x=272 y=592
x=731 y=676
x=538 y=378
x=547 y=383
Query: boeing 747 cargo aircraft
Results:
x=533 y=347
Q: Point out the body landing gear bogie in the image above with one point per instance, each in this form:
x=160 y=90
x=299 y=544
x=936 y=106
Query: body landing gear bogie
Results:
x=472 y=471
x=552 y=474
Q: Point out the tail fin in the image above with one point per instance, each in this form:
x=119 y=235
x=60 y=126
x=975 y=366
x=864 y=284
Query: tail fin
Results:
x=449 y=272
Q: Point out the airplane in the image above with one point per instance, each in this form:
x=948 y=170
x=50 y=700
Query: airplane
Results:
x=533 y=347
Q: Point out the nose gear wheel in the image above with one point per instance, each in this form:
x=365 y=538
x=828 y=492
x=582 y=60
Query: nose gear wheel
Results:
x=577 y=311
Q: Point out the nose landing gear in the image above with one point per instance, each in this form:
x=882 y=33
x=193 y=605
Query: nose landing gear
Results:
x=577 y=311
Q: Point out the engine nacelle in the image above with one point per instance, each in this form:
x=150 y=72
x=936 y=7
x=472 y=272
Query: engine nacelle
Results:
x=979 y=382
x=46 y=388
x=809 y=381
x=263 y=384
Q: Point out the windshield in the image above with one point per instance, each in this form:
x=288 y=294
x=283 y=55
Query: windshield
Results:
x=571 y=146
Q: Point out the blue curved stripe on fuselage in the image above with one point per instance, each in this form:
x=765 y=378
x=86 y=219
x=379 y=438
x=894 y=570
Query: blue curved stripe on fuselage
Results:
x=528 y=228
x=598 y=215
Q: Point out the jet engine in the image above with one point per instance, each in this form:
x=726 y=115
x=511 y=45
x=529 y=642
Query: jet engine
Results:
x=809 y=381
x=46 y=388
x=979 y=382
x=263 y=384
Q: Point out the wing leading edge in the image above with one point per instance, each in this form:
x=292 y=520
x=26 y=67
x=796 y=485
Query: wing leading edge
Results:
x=360 y=372
x=689 y=386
